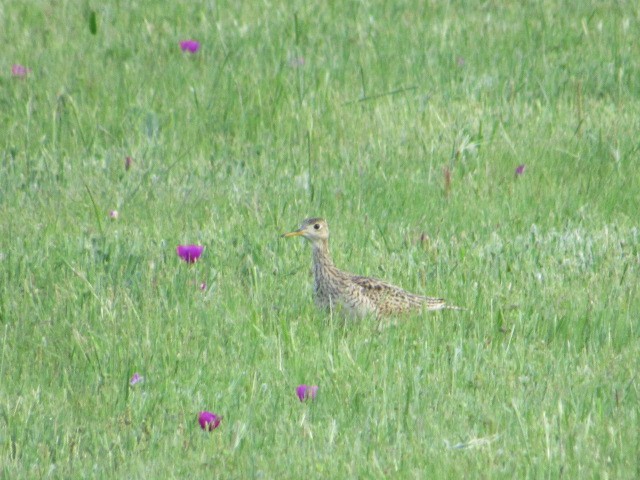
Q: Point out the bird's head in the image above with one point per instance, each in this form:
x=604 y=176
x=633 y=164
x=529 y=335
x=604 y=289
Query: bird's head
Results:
x=313 y=229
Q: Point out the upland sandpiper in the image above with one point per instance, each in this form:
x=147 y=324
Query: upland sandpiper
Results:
x=360 y=296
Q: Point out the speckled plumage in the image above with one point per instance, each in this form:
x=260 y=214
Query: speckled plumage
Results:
x=360 y=296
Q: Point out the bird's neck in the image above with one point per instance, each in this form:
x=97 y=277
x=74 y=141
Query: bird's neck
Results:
x=321 y=255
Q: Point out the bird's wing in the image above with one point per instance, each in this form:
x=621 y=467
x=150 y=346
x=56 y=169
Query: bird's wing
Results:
x=381 y=291
x=373 y=284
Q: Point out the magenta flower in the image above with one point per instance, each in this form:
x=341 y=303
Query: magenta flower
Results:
x=136 y=378
x=305 y=392
x=520 y=169
x=127 y=163
x=191 y=46
x=113 y=214
x=208 y=421
x=19 y=70
x=189 y=253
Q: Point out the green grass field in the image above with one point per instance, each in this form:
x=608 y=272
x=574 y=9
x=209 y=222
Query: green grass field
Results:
x=400 y=122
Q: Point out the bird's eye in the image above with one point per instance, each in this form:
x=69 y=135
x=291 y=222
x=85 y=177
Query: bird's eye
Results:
x=317 y=226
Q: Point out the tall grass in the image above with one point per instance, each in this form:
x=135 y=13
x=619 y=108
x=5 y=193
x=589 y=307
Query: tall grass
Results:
x=402 y=123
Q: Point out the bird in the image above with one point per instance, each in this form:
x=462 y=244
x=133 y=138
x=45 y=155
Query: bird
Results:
x=359 y=296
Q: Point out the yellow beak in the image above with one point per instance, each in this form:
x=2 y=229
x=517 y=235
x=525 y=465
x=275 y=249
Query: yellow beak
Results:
x=297 y=233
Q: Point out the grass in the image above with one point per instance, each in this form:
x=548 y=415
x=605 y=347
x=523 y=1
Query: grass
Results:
x=352 y=111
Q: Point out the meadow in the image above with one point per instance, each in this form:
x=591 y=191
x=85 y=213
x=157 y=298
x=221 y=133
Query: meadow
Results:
x=484 y=152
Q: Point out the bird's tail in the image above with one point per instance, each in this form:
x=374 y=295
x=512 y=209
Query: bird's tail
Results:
x=439 y=304
x=453 y=307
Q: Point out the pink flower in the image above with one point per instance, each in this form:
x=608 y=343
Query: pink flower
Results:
x=19 y=70
x=296 y=62
x=208 y=421
x=189 y=253
x=191 y=46
x=520 y=169
x=305 y=392
x=136 y=378
x=113 y=214
x=203 y=286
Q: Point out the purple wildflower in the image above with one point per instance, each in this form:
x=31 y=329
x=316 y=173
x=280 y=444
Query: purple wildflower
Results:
x=305 y=392
x=189 y=253
x=113 y=214
x=127 y=163
x=136 y=378
x=208 y=421
x=19 y=70
x=191 y=46
x=520 y=169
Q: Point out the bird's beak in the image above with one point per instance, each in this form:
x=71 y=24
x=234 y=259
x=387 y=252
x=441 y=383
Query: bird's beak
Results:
x=297 y=233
